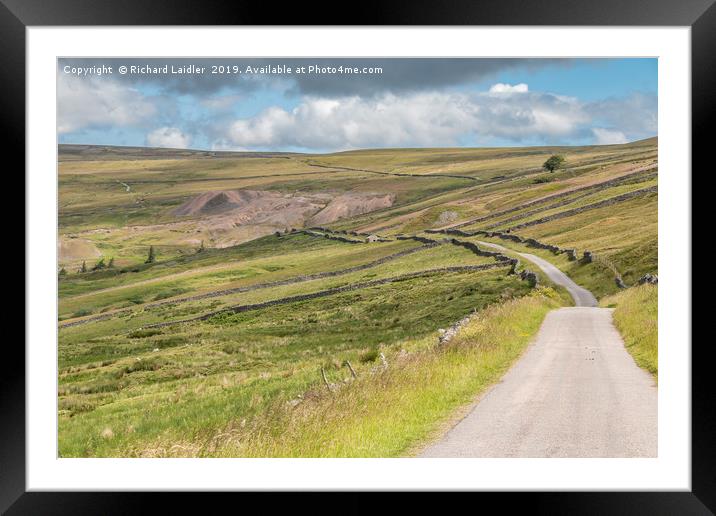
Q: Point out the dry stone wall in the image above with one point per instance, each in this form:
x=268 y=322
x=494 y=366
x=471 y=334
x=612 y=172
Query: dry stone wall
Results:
x=606 y=202
x=553 y=206
x=587 y=256
x=398 y=174
x=589 y=188
x=471 y=246
x=250 y=288
x=418 y=239
x=651 y=279
x=336 y=235
x=446 y=335
x=565 y=202
x=329 y=236
x=331 y=291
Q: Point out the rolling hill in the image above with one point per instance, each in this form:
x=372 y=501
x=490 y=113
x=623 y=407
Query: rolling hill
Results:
x=294 y=297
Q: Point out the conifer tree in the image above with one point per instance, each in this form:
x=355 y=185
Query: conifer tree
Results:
x=152 y=257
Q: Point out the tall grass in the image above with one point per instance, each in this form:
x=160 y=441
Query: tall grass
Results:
x=192 y=380
x=635 y=315
x=387 y=411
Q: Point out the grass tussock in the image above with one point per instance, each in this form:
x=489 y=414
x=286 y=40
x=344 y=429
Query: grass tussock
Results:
x=636 y=317
x=386 y=411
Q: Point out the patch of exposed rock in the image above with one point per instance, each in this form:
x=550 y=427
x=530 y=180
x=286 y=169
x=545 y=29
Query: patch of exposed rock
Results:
x=245 y=205
x=352 y=204
x=71 y=249
x=239 y=207
x=446 y=217
x=227 y=217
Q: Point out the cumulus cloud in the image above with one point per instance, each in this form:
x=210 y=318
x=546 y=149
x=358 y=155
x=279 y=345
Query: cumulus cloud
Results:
x=608 y=137
x=420 y=119
x=415 y=102
x=170 y=137
x=635 y=114
x=98 y=102
x=508 y=88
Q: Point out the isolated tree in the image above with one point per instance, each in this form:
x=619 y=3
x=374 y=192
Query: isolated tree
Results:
x=201 y=247
x=110 y=265
x=152 y=257
x=555 y=162
x=62 y=272
x=84 y=267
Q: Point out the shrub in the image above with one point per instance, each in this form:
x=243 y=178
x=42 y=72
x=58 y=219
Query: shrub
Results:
x=169 y=293
x=141 y=334
x=170 y=342
x=368 y=356
x=99 y=265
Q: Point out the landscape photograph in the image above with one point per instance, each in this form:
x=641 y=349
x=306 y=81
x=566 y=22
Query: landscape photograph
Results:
x=359 y=257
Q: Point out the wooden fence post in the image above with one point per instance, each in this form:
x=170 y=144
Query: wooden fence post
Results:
x=351 y=368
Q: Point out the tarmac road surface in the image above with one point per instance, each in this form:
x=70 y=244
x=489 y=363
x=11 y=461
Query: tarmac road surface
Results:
x=576 y=392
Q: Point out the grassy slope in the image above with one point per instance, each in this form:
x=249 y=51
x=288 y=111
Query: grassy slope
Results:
x=623 y=237
x=272 y=268
x=635 y=315
x=383 y=413
x=193 y=378
x=92 y=195
x=283 y=258
x=210 y=388
x=389 y=414
x=475 y=200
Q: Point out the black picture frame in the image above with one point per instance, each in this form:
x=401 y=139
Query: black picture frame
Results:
x=700 y=15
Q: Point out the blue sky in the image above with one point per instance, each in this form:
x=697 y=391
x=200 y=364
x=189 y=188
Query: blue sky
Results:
x=412 y=103
x=591 y=79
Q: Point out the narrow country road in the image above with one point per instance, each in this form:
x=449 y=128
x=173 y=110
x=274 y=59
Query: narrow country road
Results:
x=581 y=296
x=576 y=392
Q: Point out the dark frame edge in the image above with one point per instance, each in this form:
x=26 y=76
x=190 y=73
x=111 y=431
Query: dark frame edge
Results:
x=12 y=136
x=702 y=499
x=368 y=12
x=703 y=94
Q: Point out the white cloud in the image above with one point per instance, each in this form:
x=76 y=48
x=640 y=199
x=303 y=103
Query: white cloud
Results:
x=98 y=102
x=508 y=88
x=505 y=112
x=634 y=115
x=170 y=137
x=418 y=119
x=607 y=136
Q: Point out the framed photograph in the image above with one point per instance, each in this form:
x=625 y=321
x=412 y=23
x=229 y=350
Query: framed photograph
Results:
x=422 y=252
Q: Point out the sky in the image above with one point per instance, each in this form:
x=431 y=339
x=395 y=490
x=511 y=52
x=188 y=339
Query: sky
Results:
x=315 y=105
